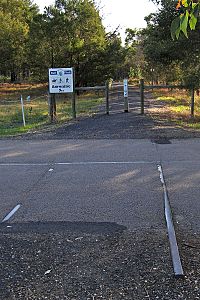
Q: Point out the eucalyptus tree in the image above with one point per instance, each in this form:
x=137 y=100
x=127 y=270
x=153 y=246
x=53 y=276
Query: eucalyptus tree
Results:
x=15 y=17
x=69 y=33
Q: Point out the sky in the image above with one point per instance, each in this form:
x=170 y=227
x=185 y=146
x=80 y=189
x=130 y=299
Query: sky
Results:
x=123 y=13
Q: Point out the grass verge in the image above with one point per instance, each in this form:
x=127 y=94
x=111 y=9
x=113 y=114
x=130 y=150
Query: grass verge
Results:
x=36 y=108
x=175 y=106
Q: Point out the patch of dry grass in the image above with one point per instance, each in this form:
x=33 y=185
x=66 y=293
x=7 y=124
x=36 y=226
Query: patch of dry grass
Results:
x=175 y=105
x=37 y=109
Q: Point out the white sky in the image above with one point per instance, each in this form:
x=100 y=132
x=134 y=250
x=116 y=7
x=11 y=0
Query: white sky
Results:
x=126 y=13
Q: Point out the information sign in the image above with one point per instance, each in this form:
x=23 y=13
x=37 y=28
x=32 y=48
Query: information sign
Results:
x=61 y=80
x=126 y=88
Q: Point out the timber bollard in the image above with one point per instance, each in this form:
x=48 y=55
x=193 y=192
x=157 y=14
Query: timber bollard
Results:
x=107 y=98
x=192 y=102
x=142 y=95
x=52 y=108
x=74 y=105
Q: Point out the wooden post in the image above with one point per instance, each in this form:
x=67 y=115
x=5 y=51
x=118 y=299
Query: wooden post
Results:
x=142 y=95
x=52 y=108
x=74 y=105
x=74 y=97
x=107 y=98
x=192 y=102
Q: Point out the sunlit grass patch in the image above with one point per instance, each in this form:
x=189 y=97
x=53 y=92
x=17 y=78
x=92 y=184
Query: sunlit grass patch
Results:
x=175 y=105
x=37 y=108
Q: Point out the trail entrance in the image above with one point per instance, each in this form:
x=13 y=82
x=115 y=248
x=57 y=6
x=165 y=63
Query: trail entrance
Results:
x=117 y=101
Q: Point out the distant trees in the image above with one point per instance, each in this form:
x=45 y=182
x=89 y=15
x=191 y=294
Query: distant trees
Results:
x=15 y=17
x=69 y=33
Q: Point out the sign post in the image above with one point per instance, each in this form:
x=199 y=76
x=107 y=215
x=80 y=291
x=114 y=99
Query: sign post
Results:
x=61 y=80
x=126 y=95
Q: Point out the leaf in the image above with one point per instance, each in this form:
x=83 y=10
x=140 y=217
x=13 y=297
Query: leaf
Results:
x=193 y=22
x=184 y=23
x=174 y=27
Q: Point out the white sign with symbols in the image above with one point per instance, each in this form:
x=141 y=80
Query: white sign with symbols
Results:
x=61 y=80
x=126 y=88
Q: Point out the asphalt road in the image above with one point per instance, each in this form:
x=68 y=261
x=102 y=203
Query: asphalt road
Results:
x=88 y=181
x=91 y=221
x=100 y=181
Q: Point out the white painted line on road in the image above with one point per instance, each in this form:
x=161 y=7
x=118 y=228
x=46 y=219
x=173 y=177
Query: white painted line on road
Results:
x=94 y=162
x=11 y=213
x=23 y=164
x=78 y=163
x=105 y=163
x=178 y=269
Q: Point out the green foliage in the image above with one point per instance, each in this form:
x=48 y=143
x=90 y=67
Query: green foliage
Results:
x=173 y=61
x=188 y=17
x=69 y=33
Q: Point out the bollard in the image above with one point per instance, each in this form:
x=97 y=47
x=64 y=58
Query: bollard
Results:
x=142 y=95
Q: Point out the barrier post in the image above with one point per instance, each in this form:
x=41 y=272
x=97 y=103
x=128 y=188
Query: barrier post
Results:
x=142 y=95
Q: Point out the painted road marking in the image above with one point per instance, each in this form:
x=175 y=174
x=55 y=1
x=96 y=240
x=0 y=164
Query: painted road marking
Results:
x=77 y=163
x=95 y=163
x=11 y=213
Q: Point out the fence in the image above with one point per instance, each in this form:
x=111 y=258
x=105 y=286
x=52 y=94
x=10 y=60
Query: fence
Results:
x=144 y=87
x=52 y=100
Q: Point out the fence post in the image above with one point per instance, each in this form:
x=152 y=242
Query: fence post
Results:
x=142 y=95
x=52 y=109
x=74 y=97
x=192 y=102
x=107 y=98
x=74 y=105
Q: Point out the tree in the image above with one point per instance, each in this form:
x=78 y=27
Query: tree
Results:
x=189 y=11
x=15 y=16
x=172 y=60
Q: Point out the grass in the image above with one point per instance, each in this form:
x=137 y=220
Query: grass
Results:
x=174 y=105
x=36 y=110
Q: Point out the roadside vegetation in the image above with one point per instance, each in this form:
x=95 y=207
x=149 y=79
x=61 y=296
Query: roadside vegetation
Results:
x=71 y=34
x=36 y=107
x=175 y=106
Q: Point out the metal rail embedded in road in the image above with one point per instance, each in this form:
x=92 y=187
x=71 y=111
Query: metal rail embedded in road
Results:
x=178 y=269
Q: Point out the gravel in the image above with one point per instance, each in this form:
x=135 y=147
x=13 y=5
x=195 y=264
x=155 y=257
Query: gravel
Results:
x=81 y=264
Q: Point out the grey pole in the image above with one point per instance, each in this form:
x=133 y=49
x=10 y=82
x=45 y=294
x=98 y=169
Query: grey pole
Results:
x=126 y=95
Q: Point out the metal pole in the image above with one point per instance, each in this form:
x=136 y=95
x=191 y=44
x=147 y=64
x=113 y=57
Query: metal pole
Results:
x=23 y=115
x=126 y=95
x=192 y=102
x=142 y=95
x=107 y=98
